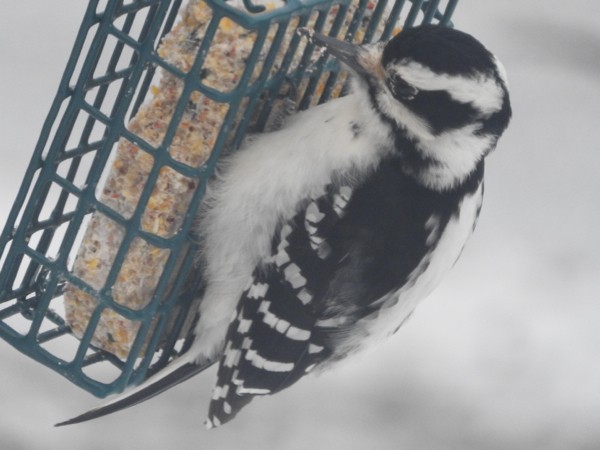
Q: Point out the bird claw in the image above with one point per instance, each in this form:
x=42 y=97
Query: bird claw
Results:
x=307 y=33
x=284 y=106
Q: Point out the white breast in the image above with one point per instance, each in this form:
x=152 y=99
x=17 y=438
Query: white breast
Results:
x=264 y=184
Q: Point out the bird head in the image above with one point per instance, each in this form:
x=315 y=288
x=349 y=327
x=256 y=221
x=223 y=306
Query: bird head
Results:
x=443 y=93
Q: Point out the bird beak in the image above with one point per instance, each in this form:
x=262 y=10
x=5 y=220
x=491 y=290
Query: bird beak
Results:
x=364 y=60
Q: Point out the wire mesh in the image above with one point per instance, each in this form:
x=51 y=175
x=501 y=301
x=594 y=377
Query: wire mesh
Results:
x=110 y=78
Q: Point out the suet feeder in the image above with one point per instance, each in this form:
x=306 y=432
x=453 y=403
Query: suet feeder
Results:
x=97 y=255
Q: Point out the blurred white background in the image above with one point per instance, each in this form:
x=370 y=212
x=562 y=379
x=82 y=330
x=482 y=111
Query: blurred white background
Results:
x=505 y=354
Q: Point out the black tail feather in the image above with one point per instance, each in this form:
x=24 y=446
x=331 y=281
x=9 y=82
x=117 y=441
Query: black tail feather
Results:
x=150 y=388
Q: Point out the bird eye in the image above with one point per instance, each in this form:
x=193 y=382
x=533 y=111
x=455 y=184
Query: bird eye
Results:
x=400 y=88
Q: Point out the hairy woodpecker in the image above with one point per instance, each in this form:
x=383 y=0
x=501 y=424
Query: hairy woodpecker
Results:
x=321 y=238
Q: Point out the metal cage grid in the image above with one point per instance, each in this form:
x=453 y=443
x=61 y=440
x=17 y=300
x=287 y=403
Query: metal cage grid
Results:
x=107 y=79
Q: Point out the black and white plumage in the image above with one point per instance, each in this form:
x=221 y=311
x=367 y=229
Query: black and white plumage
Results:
x=321 y=238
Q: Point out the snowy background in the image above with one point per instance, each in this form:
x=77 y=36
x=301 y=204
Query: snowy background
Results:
x=505 y=354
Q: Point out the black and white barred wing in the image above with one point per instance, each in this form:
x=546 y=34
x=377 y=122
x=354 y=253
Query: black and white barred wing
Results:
x=274 y=338
x=339 y=278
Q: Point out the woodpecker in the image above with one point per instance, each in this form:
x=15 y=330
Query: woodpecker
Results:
x=319 y=239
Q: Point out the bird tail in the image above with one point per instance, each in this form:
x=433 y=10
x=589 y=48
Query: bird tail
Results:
x=178 y=371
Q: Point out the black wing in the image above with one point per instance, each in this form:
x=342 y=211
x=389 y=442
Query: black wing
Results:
x=344 y=251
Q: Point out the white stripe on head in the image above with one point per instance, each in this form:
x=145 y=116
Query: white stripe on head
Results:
x=457 y=151
x=481 y=91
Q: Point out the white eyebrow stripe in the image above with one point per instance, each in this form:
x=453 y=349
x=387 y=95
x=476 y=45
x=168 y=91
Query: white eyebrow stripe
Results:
x=482 y=91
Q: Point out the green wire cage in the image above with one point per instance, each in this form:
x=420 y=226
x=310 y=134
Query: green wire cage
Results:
x=96 y=280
